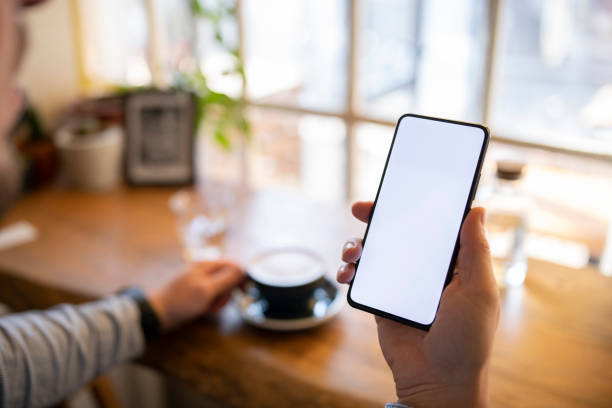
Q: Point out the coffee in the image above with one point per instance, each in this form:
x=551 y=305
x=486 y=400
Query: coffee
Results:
x=286 y=268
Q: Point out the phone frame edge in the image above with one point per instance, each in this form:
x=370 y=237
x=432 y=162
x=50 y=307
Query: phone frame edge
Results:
x=472 y=194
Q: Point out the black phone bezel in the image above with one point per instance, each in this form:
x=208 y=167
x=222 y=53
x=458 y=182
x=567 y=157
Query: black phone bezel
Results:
x=468 y=205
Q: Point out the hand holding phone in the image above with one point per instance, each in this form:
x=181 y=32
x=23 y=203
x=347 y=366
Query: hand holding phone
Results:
x=424 y=266
x=447 y=365
x=427 y=187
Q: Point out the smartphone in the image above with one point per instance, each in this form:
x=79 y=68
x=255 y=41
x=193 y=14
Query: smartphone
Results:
x=412 y=240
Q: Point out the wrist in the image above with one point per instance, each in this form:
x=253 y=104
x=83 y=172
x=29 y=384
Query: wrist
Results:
x=471 y=393
x=150 y=321
x=158 y=304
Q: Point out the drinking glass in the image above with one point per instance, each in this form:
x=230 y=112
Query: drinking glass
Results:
x=202 y=221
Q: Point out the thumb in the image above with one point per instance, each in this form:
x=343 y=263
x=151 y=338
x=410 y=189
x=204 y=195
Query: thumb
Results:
x=474 y=259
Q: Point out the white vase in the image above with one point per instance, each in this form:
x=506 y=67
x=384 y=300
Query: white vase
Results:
x=92 y=161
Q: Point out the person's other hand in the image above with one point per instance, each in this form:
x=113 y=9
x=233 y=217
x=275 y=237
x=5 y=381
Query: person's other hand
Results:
x=448 y=365
x=204 y=287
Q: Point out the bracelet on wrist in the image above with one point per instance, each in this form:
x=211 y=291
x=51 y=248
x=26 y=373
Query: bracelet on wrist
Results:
x=149 y=321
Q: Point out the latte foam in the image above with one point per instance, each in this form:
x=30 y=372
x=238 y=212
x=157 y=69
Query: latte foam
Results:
x=288 y=267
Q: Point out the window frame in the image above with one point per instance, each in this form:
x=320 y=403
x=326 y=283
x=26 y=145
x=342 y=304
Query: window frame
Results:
x=350 y=115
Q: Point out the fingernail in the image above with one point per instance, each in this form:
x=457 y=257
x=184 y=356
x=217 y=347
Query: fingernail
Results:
x=483 y=216
x=349 y=245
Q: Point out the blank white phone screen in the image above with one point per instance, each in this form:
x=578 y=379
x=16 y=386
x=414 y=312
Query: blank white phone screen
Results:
x=418 y=214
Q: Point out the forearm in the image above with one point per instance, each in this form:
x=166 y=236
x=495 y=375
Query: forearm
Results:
x=46 y=355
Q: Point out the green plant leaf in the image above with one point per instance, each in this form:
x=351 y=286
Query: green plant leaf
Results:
x=223 y=140
x=244 y=126
x=196 y=8
x=218 y=36
x=199 y=113
x=219 y=99
x=222 y=112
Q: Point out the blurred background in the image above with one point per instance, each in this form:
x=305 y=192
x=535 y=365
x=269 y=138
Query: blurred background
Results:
x=337 y=74
x=304 y=95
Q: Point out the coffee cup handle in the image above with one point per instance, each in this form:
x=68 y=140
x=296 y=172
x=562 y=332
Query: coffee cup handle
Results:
x=242 y=287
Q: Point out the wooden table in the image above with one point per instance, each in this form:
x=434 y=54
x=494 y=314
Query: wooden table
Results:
x=553 y=348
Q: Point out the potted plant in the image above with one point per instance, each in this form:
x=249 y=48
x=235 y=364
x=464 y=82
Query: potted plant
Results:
x=90 y=153
x=218 y=115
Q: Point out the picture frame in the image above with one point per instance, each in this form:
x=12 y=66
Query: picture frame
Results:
x=159 y=137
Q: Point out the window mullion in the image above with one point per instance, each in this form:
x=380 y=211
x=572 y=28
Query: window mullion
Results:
x=491 y=56
x=351 y=92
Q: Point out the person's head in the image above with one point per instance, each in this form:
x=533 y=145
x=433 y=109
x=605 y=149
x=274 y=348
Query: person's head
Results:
x=12 y=43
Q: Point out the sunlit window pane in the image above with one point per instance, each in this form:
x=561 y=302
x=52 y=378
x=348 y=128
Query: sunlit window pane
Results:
x=178 y=26
x=115 y=35
x=372 y=146
x=216 y=58
x=305 y=152
x=296 y=52
x=422 y=56
x=554 y=82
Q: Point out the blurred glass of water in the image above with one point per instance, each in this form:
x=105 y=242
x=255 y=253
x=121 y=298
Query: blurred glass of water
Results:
x=202 y=221
x=507 y=232
x=507 y=222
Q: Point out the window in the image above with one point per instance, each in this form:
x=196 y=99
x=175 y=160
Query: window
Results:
x=553 y=82
x=421 y=56
x=327 y=79
x=296 y=52
x=113 y=43
x=365 y=63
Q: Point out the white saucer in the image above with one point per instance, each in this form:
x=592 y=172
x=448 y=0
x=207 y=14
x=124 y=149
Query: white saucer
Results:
x=251 y=309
